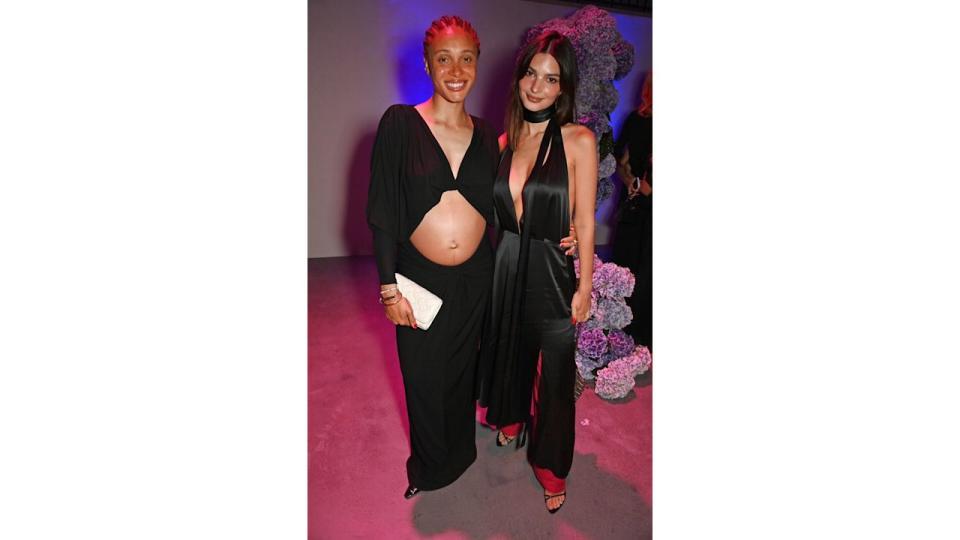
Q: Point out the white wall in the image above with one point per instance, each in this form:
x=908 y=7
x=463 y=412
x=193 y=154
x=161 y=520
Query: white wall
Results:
x=366 y=55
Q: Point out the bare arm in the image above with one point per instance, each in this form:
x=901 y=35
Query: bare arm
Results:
x=584 y=206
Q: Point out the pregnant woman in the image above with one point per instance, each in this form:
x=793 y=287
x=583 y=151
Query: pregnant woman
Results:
x=429 y=203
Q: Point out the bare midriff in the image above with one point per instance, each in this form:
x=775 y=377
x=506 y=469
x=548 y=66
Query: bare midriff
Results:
x=450 y=232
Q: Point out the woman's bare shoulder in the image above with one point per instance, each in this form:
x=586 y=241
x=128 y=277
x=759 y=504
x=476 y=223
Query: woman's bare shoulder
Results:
x=579 y=137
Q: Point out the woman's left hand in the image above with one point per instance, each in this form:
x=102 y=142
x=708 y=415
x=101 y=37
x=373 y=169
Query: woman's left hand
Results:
x=569 y=243
x=580 y=307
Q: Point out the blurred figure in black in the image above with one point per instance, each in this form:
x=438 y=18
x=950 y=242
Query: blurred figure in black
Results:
x=631 y=245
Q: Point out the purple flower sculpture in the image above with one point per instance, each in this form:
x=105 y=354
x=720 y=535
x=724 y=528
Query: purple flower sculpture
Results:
x=606 y=353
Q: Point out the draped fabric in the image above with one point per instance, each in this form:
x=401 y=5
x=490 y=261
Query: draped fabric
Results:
x=439 y=366
x=409 y=173
x=533 y=280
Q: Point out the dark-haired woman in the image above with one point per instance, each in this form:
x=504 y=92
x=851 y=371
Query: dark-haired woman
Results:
x=547 y=177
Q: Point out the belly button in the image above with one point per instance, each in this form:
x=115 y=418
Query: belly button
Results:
x=453 y=245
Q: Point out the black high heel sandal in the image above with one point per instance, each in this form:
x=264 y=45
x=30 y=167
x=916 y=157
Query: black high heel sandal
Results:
x=410 y=492
x=503 y=440
x=546 y=499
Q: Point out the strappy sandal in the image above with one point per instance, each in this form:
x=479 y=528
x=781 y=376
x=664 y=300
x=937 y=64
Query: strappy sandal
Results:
x=546 y=499
x=503 y=440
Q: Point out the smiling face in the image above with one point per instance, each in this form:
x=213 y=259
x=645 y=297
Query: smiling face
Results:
x=452 y=64
x=540 y=85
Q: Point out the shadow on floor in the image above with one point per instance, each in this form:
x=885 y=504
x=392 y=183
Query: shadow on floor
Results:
x=499 y=496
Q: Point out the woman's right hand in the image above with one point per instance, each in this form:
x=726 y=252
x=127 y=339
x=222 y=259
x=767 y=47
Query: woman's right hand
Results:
x=401 y=314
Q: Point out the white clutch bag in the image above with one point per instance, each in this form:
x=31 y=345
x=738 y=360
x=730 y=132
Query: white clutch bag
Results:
x=425 y=304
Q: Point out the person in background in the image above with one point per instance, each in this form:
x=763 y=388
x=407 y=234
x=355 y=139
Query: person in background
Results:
x=633 y=238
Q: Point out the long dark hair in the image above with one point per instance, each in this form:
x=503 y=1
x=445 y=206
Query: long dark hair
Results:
x=559 y=47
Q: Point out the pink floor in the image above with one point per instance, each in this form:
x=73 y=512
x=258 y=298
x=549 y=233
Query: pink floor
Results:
x=358 y=443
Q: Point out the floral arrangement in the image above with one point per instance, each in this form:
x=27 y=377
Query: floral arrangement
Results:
x=604 y=351
x=619 y=376
x=603 y=56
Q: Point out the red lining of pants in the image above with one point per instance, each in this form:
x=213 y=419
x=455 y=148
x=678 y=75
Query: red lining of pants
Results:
x=547 y=479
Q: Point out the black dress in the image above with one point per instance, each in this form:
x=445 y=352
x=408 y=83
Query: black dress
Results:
x=534 y=283
x=632 y=244
x=409 y=174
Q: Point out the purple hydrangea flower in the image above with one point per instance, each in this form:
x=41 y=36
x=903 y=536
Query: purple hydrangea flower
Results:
x=592 y=343
x=599 y=338
x=607 y=357
x=604 y=189
x=603 y=277
x=616 y=312
x=621 y=343
x=596 y=121
x=640 y=360
x=623 y=52
x=610 y=280
x=592 y=323
x=586 y=366
x=614 y=381
x=597 y=264
x=608 y=166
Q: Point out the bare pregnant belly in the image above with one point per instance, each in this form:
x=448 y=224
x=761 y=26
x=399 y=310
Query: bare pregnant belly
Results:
x=450 y=232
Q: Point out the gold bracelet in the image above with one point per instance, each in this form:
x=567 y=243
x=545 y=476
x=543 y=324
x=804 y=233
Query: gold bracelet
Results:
x=398 y=296
x=391 y=289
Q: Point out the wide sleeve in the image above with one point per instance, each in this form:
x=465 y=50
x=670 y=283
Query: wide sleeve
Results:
x=385 y=211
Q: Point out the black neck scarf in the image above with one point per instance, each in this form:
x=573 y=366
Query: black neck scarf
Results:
x=535 y=117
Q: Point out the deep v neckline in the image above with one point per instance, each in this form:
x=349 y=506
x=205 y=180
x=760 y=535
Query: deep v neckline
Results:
x=436 y=144
x=526 y=182
x=513 y=206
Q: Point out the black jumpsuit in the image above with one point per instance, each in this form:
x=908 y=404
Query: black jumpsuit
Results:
x=409 y=174
x=633 y=239
x=534 y=283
